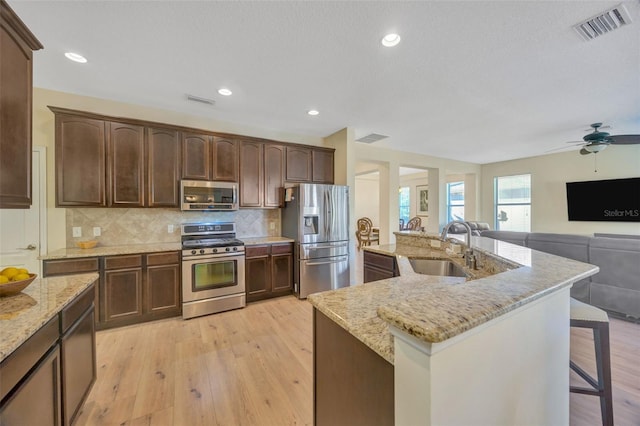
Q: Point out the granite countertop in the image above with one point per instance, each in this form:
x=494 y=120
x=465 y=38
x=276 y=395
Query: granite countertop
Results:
x=434 y=308
x=25 y=313
x=254 y=241
x=69 y=253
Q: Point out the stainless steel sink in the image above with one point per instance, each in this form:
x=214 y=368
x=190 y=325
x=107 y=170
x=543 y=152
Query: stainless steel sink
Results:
x=437 y=267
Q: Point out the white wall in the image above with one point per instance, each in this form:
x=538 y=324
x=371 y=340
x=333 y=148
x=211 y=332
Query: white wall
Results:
x=389 y=163
x=549 y=174
x=367 y=195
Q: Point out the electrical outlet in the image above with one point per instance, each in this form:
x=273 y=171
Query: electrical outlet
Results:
x=97 y=231
x=435 y=243
x=272 y=225
x=77 y=231
x=170 y=229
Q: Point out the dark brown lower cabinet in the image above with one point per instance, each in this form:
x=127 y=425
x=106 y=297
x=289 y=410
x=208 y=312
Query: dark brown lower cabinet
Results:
x=78 y=349
x=132 y=288
x=142 y=288
x=379 y=267
x=352 y=385
x=46 y=379
x=121 y=292
x=268 y=271
x=37 y=399
x=162 y=285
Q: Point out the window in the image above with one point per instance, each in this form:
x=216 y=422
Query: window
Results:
x=405 y=203
x=455 y=201
x=512 y=195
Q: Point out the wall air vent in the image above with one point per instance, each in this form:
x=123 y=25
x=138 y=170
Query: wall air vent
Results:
x=603 y=23
x=201 y=100
x=373 y=137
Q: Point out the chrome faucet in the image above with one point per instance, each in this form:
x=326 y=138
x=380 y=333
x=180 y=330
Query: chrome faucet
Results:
x=445 y=231
x=470 y=258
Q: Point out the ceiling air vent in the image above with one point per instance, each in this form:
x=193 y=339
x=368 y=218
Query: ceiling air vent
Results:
x=603 y=23
x=373 y=137
x=201 y=100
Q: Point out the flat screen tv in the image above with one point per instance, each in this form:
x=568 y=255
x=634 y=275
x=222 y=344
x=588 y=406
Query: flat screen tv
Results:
x=612 y=200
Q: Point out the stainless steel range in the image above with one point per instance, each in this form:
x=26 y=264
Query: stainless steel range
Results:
x=212 y=269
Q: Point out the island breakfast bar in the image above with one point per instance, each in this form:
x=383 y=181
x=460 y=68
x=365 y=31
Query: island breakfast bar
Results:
x=490 y=348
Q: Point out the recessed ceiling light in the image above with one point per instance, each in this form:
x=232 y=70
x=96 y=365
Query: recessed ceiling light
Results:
x=225 y=92
x=390 y=40
x=313 y=112
x=75 y=57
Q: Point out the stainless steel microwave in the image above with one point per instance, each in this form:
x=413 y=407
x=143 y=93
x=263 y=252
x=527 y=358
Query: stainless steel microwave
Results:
x=202 y=195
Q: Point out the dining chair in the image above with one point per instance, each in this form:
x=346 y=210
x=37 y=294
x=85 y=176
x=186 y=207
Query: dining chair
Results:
x=365 y=234
x=414 y=224
x=402 y=224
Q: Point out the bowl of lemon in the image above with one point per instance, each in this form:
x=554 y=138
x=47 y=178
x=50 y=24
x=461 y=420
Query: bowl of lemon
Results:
x=14 y=280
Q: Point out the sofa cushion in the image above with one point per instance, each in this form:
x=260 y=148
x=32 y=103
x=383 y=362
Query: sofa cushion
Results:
x=617 y=286
x=574 y=247
x=513 y=237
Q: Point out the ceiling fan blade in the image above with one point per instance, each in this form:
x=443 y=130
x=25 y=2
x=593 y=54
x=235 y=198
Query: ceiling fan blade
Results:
x=584 y=151
x=624 y=139
x=577 y=142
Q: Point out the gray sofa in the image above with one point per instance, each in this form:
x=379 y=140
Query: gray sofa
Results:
x=616 y=288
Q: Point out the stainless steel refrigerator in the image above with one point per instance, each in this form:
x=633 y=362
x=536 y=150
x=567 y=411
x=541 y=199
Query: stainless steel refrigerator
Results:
x=317 y=218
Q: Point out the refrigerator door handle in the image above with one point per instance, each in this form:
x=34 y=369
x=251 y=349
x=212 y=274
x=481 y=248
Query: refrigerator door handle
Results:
x=338 y=260
x=325 y=246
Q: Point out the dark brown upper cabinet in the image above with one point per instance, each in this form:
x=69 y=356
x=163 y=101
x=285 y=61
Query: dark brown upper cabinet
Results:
x=309 y=164
x=163 y=167
x=17 y=44
x=124 y=162
x=322 y=166
x=261 y=174
x=80 y=161
x=273 y=175
x=298 y=164
x=126 y=165
x=251 y=177
x=225 y=159
x=196 y=156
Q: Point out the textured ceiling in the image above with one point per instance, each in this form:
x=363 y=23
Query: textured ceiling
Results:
x=476 y=81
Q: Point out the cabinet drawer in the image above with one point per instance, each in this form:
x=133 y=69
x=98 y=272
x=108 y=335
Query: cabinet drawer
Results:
x=255 y=251
x=65 y=267
x=121 y=262
x=71 y=313
x=16 y=365
x=163 y=258
x=282 y=248
x=380 y=260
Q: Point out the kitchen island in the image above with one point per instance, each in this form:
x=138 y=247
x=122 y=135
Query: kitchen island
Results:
x=47 y=350
x=491 y=348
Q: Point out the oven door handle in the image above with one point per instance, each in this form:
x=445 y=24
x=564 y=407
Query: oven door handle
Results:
x=338 y=260
x=199 y=258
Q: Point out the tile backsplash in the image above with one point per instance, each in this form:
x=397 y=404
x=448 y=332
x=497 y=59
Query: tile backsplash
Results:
x=142 y=226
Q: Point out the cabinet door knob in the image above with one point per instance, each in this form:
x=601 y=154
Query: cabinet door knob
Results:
x=29 y=247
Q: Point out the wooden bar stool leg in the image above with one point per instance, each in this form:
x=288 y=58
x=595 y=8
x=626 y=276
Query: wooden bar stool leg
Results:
x=603 y=363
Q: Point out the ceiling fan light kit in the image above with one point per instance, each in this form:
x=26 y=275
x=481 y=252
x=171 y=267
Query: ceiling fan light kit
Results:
x=596 y=147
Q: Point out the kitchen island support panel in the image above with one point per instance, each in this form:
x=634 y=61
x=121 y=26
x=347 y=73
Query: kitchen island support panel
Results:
x=511 y=370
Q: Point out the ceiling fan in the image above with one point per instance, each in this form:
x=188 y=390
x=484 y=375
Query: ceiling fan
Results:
x=598 y=140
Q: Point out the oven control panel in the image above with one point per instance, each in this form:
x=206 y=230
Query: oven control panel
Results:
x=207 y=251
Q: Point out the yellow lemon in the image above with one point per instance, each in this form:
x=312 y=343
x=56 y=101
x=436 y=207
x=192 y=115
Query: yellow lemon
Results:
x=3 y=279
x=20 y=277
x=23 y=270
x=10 y=272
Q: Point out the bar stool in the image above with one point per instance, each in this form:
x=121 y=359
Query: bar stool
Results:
x=587 y=316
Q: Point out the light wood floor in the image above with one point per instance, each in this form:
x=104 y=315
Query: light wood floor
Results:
x=253 y=366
